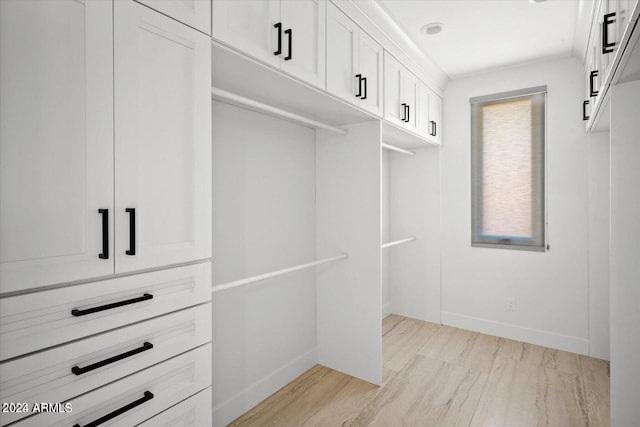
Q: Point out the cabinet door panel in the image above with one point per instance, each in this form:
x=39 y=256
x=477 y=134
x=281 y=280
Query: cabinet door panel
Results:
x=248 y=26
x=195 y=13
x=56 y=141
x=306 y=19
x=422 y=111
x=410 y=97
x=342 y=34
x=370 y=65
x=435 y=115
x=392 y=91
x=163 y=139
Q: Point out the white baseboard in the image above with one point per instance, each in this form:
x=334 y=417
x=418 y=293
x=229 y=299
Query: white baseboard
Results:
x=255 y=393
x=519 y=333
x=386 y=309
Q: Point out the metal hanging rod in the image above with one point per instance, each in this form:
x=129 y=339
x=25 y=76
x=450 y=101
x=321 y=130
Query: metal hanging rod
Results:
x=232 y=98
x=398 y=149
x=397 y=242
x=260 y=277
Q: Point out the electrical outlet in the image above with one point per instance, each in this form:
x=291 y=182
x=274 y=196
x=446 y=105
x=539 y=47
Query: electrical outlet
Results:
x=511 y=304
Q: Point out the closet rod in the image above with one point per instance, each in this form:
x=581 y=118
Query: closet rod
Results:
x=223 y=95
x=397 y=242
x=253 y=279
x=398 y=149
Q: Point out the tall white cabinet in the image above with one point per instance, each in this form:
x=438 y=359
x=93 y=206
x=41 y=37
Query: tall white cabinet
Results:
x=105 y=211
x=56 y=142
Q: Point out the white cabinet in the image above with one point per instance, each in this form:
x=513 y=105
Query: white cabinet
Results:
x=354 y=62
x=429 y=114
x=56 y=142
x=435 y=118
x=163 y=140
x=288 y=34
x=400 y=94
x=195 y=13
x=57 y=182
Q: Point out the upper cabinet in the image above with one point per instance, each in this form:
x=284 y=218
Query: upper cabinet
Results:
x=288 y=34
x=79 y=201
x=429 y=114
x=194 y=13
x=354 y=63
x=400 y=94
x=163 y=140
x=56 y=142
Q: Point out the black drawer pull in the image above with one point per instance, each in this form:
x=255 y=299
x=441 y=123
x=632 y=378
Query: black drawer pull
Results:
x=79 y=371
x=289 y=33
x=404 y=112
x=584 y=110
x=78 y=313
x=434 y=129
x=364 y=80
x=105 y=233
x=147 y=396
x=592 y=91
x=278 y=26
x=359 y=77
x=132 y=231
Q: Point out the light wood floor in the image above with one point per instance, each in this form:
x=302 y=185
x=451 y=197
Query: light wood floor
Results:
x=442 y=376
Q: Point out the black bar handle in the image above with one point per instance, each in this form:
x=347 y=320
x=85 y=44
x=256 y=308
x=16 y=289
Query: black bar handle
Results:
x=432 y=132
x=132 y=231
x=278 y=26
x=584 y=110
x=79 y=371
x=404 y=112
x=364 y=80
x=147 y=396
x=593 y=75
x=289 y=33
x=75 y=312
x=105 y=233
x=607 y=47
x=408 y=113
x=435 y=128
x=359 y=77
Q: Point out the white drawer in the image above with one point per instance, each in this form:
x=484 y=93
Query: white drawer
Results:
x=44 y=319
x=48 y=377
x=196 y=411
x=135 y=398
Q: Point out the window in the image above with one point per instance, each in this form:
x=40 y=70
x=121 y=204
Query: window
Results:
x=508 y=170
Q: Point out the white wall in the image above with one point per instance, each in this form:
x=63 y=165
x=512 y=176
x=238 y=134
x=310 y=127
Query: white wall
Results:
x=264 y=334
x=625 y=255
x=599 y=244
x=551 y=288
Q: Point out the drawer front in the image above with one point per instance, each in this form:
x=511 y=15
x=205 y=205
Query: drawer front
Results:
x=49 y=376
x=136 y=398
x=196 y=411
x=40 y=320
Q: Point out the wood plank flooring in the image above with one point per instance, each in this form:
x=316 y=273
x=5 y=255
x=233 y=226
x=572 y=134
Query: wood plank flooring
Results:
x=439 y=376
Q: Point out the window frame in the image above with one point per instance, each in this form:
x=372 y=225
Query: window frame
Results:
x=498 y=242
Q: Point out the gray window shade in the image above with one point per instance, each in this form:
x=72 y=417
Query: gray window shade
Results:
x=507 y=170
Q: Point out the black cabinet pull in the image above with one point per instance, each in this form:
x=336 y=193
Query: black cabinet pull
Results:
x=105 y=233
x=147 y=396
x=404 y=112
x=584 y=110
x=75 y=312
x=408 y=113
x=593 y=75
x=79 y=371
x=607 y=47
x=433 y=128
x=132 y=231
x=289 y=33
x=364 y=80
x=359 y=77
x=278 y=26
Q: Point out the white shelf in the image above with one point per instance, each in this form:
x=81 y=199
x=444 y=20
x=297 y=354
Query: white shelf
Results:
x=397 y=242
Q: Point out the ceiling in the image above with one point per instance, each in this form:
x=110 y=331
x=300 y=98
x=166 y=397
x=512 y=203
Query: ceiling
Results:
x=487 y=34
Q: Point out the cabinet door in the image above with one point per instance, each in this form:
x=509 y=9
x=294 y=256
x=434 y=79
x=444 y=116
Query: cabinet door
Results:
x=342 y=44
x=393 y=110
x=370 y=66
x=303 y=50
x=56 y=141
x=410 y=97
x=162 y=140
x=248 y=25
x=195 y=13
x=435 y=116
x=422 y=111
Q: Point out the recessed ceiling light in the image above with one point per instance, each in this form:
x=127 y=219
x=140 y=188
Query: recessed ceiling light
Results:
x=432 y=28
